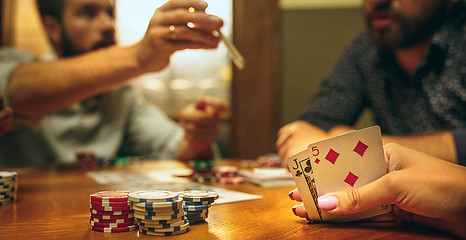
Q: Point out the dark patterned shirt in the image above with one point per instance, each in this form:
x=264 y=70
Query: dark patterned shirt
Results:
x=433 y=99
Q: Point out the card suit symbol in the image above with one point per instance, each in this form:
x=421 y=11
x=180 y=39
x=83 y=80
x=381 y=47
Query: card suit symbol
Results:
x=332 y=156
x=360 y=148
x=351 y=179
x=299 y=173
x=317 y=161
x=308 y=168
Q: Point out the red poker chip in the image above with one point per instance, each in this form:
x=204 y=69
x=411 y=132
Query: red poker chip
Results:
x=125 y=216
x=125 y=212
x=123 y=220
x=111 y=204
x=100 y=208
x=113 y=225
x=110 y=196
x=115 y=230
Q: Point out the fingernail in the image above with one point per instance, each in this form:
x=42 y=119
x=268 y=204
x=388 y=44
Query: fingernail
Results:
x=307 y=218
x=327 y=202
x=290 y=194
x=294 y=210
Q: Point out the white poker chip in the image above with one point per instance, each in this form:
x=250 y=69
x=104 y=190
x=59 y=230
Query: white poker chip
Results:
x=153 y=196
x=7 y=175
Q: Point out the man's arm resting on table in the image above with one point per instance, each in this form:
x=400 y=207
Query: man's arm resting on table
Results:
x=38 y=88
x=439 y=144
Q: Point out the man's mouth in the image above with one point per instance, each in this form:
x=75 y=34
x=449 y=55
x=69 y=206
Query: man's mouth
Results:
x=383 y=19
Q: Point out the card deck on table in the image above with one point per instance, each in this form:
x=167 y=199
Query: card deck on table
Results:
x=340 y=163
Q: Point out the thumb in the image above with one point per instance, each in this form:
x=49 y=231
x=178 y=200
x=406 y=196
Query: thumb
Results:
x=357 y=199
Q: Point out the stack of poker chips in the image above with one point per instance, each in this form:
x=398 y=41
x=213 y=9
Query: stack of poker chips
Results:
x=270 y=160
x=202 y=170
x=227 y=174
x=111 y=212
x=196 y=204
x=8 y=186
x=159 y=213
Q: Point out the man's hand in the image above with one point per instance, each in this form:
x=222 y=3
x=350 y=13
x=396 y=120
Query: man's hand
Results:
x=296 y=136
x=6 y=116
x=200 y=121
x=168 y=32
x=425 y=190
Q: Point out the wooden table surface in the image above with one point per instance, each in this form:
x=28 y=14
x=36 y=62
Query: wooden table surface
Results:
x=54 y=204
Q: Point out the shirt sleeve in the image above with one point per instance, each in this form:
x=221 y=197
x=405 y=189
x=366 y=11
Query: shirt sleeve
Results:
x=341 y=98
x=460 y=141
x=149 y=131
x=10 y=59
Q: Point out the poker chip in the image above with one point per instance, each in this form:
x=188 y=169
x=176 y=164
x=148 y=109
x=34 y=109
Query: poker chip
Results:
x=154 y=196
x=111 y=204
x=6 y=202
x=199 y=196
x=189 y=203
x=231 y=180
x=115 y=229
x=125 y=216
x=159 y=209
x=166 y=225
x=110 y=196
x=178 y=211
x=225 y=171
x=162 y=230
x=8 y=176
x=193 y=208
x=100 y=208
x=126 y=212
x=161 y=217
x=159 y=222
x=165 y=233
x=107 y=225
x=200 y=163
x=124 y=220
x=154 y=205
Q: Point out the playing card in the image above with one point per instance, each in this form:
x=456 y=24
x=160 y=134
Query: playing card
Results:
x=340 y=163
x=300 y=167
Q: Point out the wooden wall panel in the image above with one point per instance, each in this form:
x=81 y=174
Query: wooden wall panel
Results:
x=256 y=89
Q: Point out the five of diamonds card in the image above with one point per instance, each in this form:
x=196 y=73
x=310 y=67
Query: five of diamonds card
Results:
x=339 y=163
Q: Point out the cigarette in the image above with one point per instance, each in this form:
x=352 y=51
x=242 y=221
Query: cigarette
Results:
x=235 y=55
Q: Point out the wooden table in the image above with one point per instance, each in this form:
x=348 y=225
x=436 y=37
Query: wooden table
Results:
x=54 y=204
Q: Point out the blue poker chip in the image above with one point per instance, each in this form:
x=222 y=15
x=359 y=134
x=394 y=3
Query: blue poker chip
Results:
x=165 y=225
x=193 y=208
x=156 y=213
x=163 y=233
x=173 y=204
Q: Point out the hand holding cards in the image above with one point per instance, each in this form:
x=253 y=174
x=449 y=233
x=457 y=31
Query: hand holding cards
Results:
x=343 y=162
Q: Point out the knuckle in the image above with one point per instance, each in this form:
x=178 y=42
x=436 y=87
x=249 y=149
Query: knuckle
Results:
x=353 y=199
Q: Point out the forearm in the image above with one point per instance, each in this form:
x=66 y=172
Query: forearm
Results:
x=38 y=88
x=439 y=144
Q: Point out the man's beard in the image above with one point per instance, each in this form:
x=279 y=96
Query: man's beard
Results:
x=70 y=49
x=406 y=32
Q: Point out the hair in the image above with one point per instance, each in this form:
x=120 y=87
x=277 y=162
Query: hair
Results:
x=52 y=8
